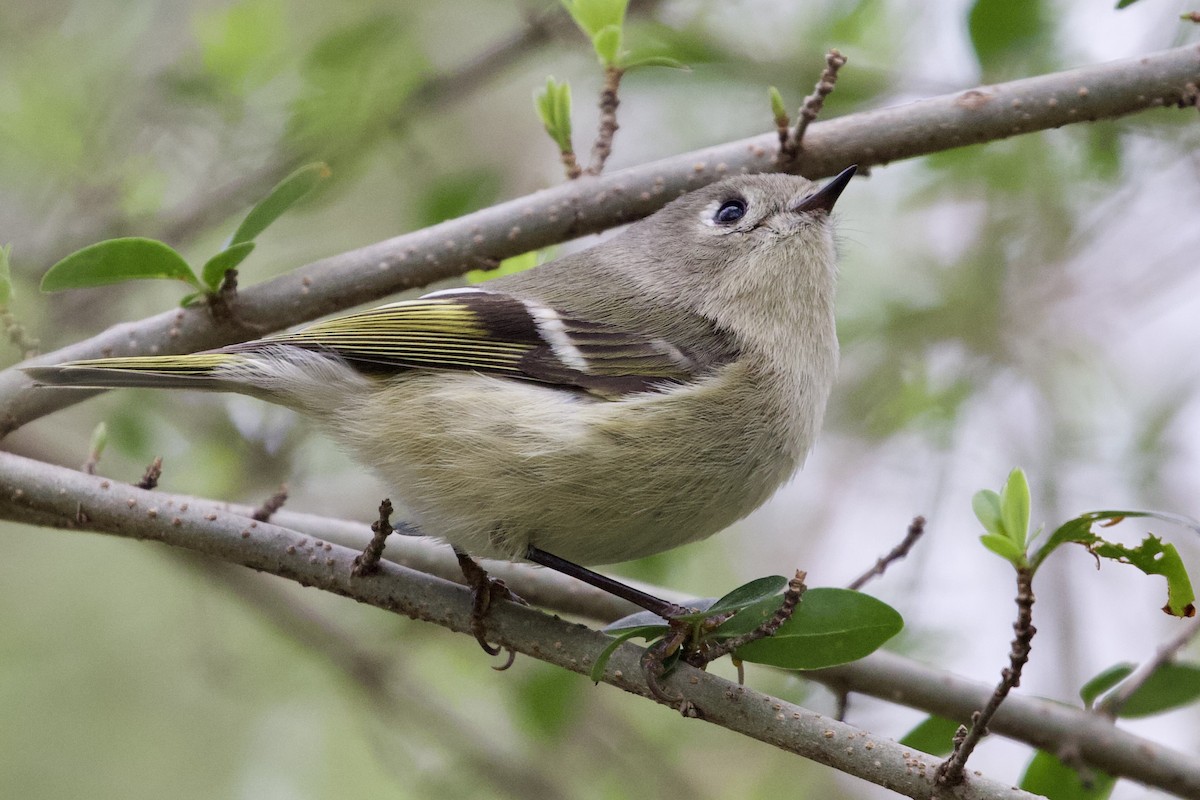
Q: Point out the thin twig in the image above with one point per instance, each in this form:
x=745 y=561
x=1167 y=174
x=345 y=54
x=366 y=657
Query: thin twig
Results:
x=950 y=772
x=783 y=127
x=1165 y=654
x=271 y=504
x=152 y=474
x=791 y=598
x=916 y=529
x=609 y=101
x=811 y=109
x=367 y=561
x=570 y=164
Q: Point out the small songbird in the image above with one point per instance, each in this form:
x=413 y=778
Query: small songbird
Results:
x=611 y=404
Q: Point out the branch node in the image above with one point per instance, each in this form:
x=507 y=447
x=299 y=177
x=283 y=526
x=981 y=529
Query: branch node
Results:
x=151 y=475
x=367 y=562
x=272 y=504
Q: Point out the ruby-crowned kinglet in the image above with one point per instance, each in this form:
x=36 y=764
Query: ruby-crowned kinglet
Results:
x=608 y=405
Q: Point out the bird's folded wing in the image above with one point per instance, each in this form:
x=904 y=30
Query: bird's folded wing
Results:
x=493 y=332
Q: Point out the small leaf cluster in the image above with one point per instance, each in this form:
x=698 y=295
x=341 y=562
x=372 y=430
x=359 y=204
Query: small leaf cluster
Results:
x=778 y=110
x=829 y=627
x=135 y=257
x=553 y=105
x=603 y=21
x=1005 y=517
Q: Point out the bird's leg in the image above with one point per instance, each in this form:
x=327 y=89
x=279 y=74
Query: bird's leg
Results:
x=655 y=605
x=484 y=591
x=655 y=657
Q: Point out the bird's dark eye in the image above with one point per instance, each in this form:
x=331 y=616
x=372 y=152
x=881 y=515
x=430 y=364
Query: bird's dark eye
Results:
x=730 y=211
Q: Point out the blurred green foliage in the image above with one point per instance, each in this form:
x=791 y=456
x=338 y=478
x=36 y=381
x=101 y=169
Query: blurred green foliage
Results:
x=1001 y=303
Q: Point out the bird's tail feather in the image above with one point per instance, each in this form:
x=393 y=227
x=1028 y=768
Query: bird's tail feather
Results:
x=192 y=371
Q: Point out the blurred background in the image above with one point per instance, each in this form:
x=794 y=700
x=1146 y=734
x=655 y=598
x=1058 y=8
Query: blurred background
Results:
x=1030 y=302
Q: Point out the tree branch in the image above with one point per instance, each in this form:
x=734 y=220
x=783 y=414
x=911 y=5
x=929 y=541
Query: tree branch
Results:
x=589 y=205
x=51 y=492
x=43 y=494
x=1041 y=723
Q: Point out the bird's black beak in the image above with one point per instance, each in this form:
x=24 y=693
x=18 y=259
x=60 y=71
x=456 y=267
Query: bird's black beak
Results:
x=824 y=198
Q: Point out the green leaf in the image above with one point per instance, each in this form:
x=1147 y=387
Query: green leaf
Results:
x=654 y=61
x=1171 y=686
x=117 y=260
x=778 y=110
x=6 y=287
x=285 y=194
x=553 y=105
x=934 y=735
x=1001 y=30
x=214 y=269
x=1004 y=547
x=749 y=593
x=759 y=590
x=1125 y=3
x=1152 y=556
x=593 y=15
x=99 y=441
x=1103 y=682
x=646 y=632
x=986 y=505
x=1048 y=776
x=830 y=627
x=1014 y=507
x=607 y=44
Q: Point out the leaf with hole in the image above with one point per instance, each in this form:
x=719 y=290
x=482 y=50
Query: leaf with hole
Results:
x=1153 y=556
x=117 y=260
x=829 y=627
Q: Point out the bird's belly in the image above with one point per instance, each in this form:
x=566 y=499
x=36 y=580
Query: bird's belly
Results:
x=591 y=481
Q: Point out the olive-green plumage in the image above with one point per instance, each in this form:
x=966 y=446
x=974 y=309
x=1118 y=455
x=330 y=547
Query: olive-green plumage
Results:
x=611 y=404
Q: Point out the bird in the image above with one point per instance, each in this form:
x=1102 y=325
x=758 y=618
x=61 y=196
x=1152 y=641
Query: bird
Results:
x=611 y=404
